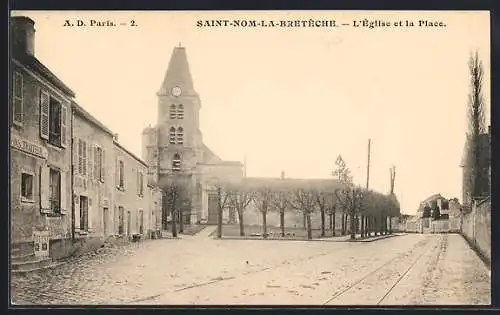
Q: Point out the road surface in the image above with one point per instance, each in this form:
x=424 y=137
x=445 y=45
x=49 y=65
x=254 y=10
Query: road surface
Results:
x=413 y=269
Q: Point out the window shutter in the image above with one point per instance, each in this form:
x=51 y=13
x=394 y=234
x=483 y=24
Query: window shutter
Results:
x=64 y=120
x=117 y=170
x=45 y=189
x=90 y=161
x=64 y=206
x=90 y=224
x=138 y=183
x=103 y=165
x=44 y=114
x=17 y=108
x=96 y=163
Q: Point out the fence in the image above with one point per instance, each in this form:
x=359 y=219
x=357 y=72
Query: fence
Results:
x=476 y=227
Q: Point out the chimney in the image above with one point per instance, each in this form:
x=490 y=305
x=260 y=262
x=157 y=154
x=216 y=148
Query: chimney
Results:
x=23 y=36
x=282 y=174
x=115 y=137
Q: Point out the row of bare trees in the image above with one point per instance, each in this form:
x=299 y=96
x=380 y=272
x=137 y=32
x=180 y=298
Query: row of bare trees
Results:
x=367 y=212
x=362 y=211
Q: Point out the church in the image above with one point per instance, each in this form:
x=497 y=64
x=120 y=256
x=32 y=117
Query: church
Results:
x=175 y=144
x=174 y=147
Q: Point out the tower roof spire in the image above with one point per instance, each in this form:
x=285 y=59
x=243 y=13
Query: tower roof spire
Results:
x=178 y=73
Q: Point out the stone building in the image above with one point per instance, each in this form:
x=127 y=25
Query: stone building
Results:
x=174 y=148
x=40 y=145
x=93 y=183
x=131 y=209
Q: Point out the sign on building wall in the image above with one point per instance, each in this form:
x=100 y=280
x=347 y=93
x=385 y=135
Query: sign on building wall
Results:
x=28 y=147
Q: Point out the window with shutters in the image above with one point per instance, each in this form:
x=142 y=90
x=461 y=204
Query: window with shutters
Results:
x=84 y=213
x=55 y=191
x=173 y=113
x=53 y=119
x=55 y=122
x=27 y=187
x=17 y=98
x=140 y=183
x=171 y=135
x=121 y=169
x=99 y=164
x=180 y=112
x=82 y=157
x=180 y=135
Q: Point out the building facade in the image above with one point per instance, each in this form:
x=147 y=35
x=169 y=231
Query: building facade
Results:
x=131 y=209
x=40 y=142
x=93 y=184
x=174 y=148
x=63 y=162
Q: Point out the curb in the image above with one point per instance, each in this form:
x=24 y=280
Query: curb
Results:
x=306 y=240
x=484 y=259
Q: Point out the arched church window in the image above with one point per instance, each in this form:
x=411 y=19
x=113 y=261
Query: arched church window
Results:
x=171 y=136
x=176 y=162
x=180 y=135
x=180 y=111
x=173 y=112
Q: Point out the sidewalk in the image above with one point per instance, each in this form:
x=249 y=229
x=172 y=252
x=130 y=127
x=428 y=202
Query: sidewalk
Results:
x=205 y=233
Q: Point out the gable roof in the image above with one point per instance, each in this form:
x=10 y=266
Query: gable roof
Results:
x=35 y=65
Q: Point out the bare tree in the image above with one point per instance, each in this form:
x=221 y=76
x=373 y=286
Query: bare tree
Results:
x=321 y=199
x=263 y=201
x=222 y=203
x=240 y=198
x=343 y=175
x=281 y=201
x=331 y=208
x=350 y=197
x=304 y=200
x=476 y=119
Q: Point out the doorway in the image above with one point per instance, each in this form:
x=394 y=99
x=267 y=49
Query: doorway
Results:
x=129 y=217
x=105 y=222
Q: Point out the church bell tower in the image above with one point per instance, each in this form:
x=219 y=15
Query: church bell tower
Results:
x=174 y=145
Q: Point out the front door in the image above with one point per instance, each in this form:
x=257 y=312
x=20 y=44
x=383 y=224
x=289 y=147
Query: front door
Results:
x=105 y=223
x=129 y=217
x=212 y=208
x=141 y=222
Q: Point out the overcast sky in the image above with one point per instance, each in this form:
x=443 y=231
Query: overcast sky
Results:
x=289 y=99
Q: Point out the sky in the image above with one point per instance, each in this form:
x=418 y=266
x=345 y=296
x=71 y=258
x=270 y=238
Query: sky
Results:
x=289 y=99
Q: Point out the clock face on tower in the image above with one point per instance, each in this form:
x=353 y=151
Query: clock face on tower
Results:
x=176 y=91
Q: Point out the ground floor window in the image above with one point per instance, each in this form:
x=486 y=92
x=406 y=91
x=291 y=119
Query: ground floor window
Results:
x=26 y=187
x=84 y=213
x=55 y=190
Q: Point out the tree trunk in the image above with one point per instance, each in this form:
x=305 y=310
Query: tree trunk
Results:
x=242 y=228
x=353 y=225
x=181 y=220
x=282 y=222
x=333 y=224
x=264 y=224
x=362 y=227
x=219 y=214
x=345 y=224
x=309 y=228
x=304 y=222
x=342 y=230
x=174 y=224
x=322 y=222
x=330 y=221
x=390 y=225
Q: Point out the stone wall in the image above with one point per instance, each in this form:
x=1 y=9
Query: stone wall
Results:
x=476 y=227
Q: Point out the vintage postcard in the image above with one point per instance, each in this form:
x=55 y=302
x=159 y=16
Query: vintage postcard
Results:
x=250 y=158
